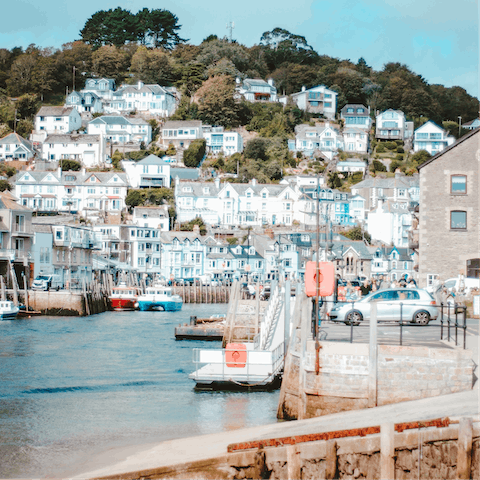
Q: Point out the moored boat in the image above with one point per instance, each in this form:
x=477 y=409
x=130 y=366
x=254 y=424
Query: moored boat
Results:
x=123 y=297
x=159 y=298
x=8 y=311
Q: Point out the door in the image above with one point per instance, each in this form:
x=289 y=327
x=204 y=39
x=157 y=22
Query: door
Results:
x=386 y=304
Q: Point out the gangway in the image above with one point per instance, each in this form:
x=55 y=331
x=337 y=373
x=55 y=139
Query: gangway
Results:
x=256 y=364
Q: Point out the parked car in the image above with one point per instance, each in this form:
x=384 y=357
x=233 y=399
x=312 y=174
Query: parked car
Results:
x=46 y=282
x=393 y=304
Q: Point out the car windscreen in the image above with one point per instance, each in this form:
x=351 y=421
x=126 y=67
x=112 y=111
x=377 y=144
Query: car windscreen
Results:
x=42 y=277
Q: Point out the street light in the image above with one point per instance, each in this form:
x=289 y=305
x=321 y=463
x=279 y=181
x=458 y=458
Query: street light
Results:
x=459 y=125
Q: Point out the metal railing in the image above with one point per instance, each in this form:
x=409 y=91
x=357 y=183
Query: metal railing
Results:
x=452 y=316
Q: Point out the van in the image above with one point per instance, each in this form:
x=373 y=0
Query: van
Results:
x=456 y=283
x=46 y=282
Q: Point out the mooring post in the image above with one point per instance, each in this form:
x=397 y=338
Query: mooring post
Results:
x=331 y=460
x=387 y=451
x=464 y=453
x=372 y=362
x=294 y=463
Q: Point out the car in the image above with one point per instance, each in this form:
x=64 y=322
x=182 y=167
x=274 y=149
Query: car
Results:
x=393 y=304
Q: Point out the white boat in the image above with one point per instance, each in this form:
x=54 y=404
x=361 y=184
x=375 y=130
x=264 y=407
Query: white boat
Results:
x=8 y=311
x=159 y=298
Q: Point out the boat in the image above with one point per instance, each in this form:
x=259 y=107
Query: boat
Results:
x=160 y=297
x=123 y=297
x=8 y=311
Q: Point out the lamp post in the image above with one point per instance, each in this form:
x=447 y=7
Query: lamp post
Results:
x=459 y=125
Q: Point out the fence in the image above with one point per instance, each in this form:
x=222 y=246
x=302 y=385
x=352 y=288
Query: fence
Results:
x=452 y=318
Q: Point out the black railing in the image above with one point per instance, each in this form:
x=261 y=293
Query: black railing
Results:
x=452 y=316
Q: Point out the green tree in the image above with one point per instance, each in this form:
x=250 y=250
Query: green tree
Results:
x=110 y=61
x=420 y=157
x=4 y=185
x=378 y=166
x=70 y=165
x=194 y=154
x=135 y=198
x=256 y=149
x=216 y=104
x=152 y=66
x=356 y=233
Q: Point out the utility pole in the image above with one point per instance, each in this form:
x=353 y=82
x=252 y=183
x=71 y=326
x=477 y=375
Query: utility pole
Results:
x=73 y=78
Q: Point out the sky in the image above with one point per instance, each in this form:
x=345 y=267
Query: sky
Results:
x=437 y=39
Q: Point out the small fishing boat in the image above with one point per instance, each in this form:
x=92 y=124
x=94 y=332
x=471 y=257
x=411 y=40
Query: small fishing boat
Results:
x=123 y=297
x=8 y=311
x=159 y=298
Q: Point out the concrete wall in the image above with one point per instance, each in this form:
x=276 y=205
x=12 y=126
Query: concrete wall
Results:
x=343 y=383
x=66 y=303
x=443 y=251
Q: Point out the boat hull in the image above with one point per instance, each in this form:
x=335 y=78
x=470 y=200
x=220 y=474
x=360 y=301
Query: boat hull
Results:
x=8 y=316
x=122 y=303
x=167 y=306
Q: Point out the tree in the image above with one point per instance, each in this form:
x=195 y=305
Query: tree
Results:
x=152 y=66
x=356 y=233
x=135 y=198
x=256 y=149
x=4 y=185
x=194 y=154
x=216 y=105
x=110 y=61
x=420 y=157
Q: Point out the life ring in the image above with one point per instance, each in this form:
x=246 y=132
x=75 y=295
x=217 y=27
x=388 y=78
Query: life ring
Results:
x=236 y=355
x=326 y=282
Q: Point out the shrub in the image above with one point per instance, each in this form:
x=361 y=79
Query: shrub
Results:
x=194 y=154
x=400 y=150
x=399 y=156
x=394 y=164
x=379 y=166
x=390 y=145
x=381 y=148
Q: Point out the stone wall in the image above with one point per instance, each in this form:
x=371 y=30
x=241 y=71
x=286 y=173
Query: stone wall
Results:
x=66 y=303
x=403 y=373
x=442 y=250
x=344 y=379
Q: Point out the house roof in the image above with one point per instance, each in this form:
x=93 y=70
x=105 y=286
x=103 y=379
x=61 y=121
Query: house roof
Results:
x=54 y=111
x=443 y=152
x=9 y=202
x=16 y=139
x=314 y=88
x=181 y=124
x=355 y=106
x=76 y=138
x=152 y=212
x=117 y=120
x=389 y=182
x=152 y=160
x=257 y=82
x=185 y=173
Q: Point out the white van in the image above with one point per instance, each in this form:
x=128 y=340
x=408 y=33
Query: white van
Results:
x=47 y=282
x=456 y=283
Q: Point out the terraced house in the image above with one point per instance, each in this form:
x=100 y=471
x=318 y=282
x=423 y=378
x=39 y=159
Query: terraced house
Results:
x=119 y=129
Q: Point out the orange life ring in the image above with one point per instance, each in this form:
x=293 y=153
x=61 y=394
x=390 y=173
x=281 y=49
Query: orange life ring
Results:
x=327 y=279
x=236 y=355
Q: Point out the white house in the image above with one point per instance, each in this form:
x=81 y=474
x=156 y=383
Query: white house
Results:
x=94 y=193
x=357 y=208
x=352 y=165
x=356 y=115
x=355 y=140
x=390 y=223
x=102 y=87
x=220 y=141
x=119 y=129
x=321 y=137
x=257 y=90
x=153 y=217
x=84 y=102
x=432 y=138
x=318 y=99
x=152 y=171
x=152 y=99
x=15 y=147
x=57 y=120
x=181 y=133
x=90 y=150
x=472 y=125
x=392 y=125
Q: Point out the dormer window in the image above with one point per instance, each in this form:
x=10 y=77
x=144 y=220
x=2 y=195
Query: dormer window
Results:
x=206 y=190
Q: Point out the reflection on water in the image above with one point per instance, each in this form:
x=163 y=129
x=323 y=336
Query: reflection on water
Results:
x=72 y=387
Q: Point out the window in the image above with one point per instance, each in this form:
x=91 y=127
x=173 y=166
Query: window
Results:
x=458 y=184
x=458 y=220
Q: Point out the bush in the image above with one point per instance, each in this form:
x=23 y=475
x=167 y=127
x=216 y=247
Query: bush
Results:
x=400 y=150
x=394 y=164
x=379 y=166
x=420 y=157
x=70 y=165
x=381 y=148
x=399 y=156
x=194 y=154
x=399 y=143
x=390 y=145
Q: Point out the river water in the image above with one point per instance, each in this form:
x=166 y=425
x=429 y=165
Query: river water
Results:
x=72 y=387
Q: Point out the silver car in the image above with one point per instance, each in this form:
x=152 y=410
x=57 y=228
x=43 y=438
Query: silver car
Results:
x=393 y=304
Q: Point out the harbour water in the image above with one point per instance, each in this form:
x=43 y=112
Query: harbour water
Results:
x=73 y=387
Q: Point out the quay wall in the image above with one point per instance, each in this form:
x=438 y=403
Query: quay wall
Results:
x=67 y=303
x=347 y=380
x=427 y=453
x=203 y=293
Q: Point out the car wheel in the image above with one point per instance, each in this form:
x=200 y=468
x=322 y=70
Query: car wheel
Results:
x=422 y=318
x=354 y=317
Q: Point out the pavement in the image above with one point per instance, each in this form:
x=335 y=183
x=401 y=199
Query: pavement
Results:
x=204 y=447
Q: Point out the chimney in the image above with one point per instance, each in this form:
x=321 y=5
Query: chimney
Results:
x=270 y=82
x=254 y=182
x=83 y=171
x=177 y=181
x=140 y=84
x=303 y=88
x=269 y=232
x=217 y=182
x=59 y=171
x=196 y=229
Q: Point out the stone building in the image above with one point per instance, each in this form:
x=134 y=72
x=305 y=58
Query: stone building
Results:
x=449 y=212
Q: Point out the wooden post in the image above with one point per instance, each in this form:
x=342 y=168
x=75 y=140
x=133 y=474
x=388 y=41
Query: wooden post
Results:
x=286 y=319
x=331 y=459
x=387 y=451
x=294 y=462
x=464 y=453
x=257 y=307
x=26 y=291
x=14 y=285
x=372 y=362
x=4 y=297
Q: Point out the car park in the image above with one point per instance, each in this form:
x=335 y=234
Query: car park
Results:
x=393 y=304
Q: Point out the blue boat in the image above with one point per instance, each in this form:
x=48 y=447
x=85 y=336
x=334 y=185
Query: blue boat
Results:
x=159 y=298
